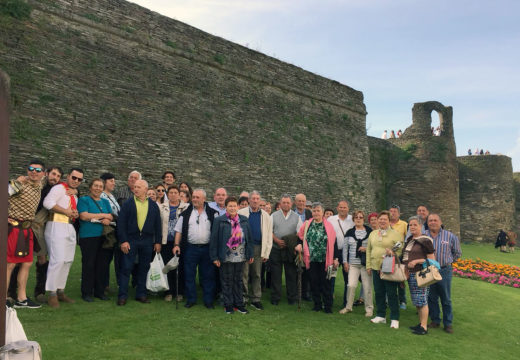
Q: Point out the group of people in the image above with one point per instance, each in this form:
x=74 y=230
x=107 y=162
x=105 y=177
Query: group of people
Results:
x=478 y=152
x=393 y=134
x=230 y=242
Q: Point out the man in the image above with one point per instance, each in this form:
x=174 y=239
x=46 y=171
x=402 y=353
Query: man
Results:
x=342 y=223
x=192 y=235
x=52 y=177
x=139 y=233
x=447 y=251
x=244 y=194
x=286 y=224
x=262 y=231
x=23 y=202
x=126 y=192
x=300 y=201
x=402 y=228
x=60 y=236
x=219 y=202
x=168 y=179
x=423 y=212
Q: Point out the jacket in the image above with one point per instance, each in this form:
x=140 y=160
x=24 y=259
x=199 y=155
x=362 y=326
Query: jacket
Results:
x=266 y=226
x=332 y=251
x=220 y=234
x=165 y=217
x=127 y=229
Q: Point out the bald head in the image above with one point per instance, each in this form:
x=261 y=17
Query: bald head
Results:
x=220 y=197
x=140 y=189
x=299 y=201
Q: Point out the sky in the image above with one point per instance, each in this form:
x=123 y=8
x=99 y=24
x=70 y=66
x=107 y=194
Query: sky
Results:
x=463 y=53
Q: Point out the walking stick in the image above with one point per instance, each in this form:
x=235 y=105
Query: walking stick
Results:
x=299 y=269
x=177 y=287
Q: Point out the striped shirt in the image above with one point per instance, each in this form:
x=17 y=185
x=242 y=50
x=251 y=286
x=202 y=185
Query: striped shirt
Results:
x=447 y=247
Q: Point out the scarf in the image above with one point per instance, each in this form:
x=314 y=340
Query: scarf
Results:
x=236 y=232
x=73 y=204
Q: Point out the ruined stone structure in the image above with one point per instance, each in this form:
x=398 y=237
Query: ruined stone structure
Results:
x=109 y=85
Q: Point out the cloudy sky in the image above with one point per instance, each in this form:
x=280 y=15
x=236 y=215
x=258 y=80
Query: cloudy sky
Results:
x=463 y=53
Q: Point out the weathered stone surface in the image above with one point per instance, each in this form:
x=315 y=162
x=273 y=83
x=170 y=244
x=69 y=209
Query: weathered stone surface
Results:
x=487 y=196
x=516 y=184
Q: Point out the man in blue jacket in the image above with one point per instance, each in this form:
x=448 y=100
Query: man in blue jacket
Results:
x=139 y=232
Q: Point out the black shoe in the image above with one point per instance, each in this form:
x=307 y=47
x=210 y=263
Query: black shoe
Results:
x=413 y=328
x=274 y=302
x=27 y=303
x=316 y=308
x=292 y=302
x=359 y=302
x=209 y=306
x=328 y=311
x=420 y=331
x=143 y=300
x=229 y=310
x=188 y=305
x=307 y=298
x=103 y=297
x=121 y=302
x=88 y=298
x=257 y=305
x=242 y=310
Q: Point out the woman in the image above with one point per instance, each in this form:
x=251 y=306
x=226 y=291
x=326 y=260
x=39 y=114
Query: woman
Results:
x=185 y=196
x=354 y=262
x=372 y=220
x=230 y=246
x=160 y=195
x=243 y=202
x=184 y=186
x=417 y=249
x=170 y=212
x=151 y=194
x=94 y=212
x=328 y=213
x=319 y=253
x=381 y=242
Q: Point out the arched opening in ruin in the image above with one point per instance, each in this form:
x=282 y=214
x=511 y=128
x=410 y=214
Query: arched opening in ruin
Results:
x=436 y=123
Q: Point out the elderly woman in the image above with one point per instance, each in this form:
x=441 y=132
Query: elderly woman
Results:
x=354 y=262
x=151 y=194
x=230 y=246
x=185 y=196
x=381 y=242
x=94 y=212
x=417 y=249
x=170 y=212
x=320 y=252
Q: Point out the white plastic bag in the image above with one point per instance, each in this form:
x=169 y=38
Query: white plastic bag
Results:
x=156 y=281
x=13 y=327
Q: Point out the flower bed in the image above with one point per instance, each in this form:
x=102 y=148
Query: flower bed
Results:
x=478 y=269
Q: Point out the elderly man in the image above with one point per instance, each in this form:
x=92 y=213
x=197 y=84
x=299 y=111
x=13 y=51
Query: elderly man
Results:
x=23 y=202
x=219 y=202
x=342 y=223
x=402 y=228
x=304 y=212
x=60 y=236
x=192 y=235
x=286 y=224
x=127 y=192
x=423 y=212
x=139 y=234
x=262 y=232
x=447 y=251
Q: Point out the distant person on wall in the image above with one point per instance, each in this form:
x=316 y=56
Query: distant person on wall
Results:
x=502 y=240
x=469 y=152
x=385 y=135
x=219 y=200
x=126 y=192
x=60 y=236
x=139 y=233
x=447 y=251
x=192 y=236
x=481 y=151
x=392 y=134
x=399 y=133
x=23 y=202
x=487 y=152
x=261 y=226
x=231 y=250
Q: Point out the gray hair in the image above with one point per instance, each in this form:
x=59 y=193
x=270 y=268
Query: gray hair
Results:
x=136 y=172
x=254 y=192
x=316 y=205
x=284 y=196
x=201 y=190
x=344 y=200
x=416 y=218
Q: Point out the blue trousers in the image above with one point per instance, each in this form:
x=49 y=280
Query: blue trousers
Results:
x=199 y=256
x=441 y=290
x=143 y=249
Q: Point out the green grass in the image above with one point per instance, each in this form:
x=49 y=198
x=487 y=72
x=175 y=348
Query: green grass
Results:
x=485 y=324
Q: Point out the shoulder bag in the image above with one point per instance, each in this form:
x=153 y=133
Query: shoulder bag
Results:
x=399 y=273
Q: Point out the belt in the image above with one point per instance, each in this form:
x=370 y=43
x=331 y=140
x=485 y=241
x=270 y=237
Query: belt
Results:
x=199 y=245
x=61 y=218
x=22 y=224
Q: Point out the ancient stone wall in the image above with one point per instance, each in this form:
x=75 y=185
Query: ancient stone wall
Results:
x=487 y=196
x=516 y=184
x=109 y=85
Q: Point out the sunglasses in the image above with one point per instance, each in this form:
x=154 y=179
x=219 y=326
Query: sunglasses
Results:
x=37 y=169
x=75 y=178
x=159 y=190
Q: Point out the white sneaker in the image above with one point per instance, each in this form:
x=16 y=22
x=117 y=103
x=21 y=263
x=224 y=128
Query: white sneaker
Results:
x=394 y=324
x=378 y=320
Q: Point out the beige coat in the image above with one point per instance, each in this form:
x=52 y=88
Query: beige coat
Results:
x=165 y=217
x=266 y=228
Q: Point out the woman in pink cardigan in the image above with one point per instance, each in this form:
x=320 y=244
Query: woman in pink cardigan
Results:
x=318 y=239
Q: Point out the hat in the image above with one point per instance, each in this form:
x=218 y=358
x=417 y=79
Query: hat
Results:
x=171 y=265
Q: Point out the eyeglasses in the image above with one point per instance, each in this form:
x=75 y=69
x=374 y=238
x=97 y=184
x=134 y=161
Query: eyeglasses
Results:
x=75 y=178
x=32 y=168
x=159 y=190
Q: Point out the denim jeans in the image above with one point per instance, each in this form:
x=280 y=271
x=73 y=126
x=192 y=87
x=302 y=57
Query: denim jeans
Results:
x=441 y=290
x=199 y=256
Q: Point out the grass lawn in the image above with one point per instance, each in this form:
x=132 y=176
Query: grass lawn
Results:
x=486 y=326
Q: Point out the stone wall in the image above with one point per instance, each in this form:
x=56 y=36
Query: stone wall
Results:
x=109 y=85
x=487 y=196
x=516 y=184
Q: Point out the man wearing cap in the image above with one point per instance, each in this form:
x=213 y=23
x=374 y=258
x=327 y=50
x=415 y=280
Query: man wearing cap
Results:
x=23 y=202
x=60 y=236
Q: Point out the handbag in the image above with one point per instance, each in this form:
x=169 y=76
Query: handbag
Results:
x=428 y=275
x=388 y=265
x=13 y=327
x=399 y=273
x=156 y=280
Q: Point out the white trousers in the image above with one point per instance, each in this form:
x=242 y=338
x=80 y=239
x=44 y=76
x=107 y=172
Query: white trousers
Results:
x=353 y=279
x=61 y=245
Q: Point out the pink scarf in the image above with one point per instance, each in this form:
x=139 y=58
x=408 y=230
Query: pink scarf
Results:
x=236 y=232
